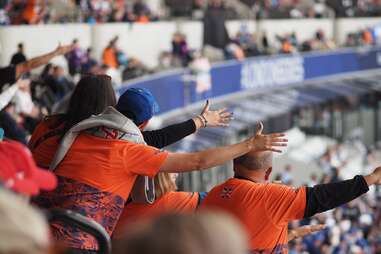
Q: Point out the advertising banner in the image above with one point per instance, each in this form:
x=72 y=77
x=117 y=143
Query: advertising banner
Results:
x=177 y=89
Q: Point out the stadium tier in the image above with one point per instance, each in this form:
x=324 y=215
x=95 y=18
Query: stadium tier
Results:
x=190 y=127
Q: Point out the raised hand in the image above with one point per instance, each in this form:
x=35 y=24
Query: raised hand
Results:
x=268 y=142
x=218 y=118
x=62 y=50
x=374 y=177
x=377 y=172
x=303 y=231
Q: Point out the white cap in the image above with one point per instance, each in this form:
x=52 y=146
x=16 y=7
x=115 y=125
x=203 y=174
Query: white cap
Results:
x=23 y=229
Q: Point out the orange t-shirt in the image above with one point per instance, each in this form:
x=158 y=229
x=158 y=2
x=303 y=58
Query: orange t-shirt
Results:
x=30 y=12
x=95 y=179
x=367 y=37
x=264 y=209
x=286 y=47
x=109 y=58
x=108 y=164
x=175 y=202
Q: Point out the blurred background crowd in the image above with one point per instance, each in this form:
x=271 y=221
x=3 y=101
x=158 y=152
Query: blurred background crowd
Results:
x=352 y=228
x=102 y=11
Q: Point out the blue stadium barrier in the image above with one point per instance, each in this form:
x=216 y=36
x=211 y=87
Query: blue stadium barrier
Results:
x=177 y=88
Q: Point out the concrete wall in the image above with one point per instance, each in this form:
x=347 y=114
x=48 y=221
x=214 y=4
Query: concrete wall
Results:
x=349 y=25
x=193 y=31
x=40 y=39
x=235 y=26
x=304 y=28
x=147 y=41
x=143 y=41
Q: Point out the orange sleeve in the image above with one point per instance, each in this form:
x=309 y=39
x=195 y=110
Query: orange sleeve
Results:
x=142 y=159
x=284 y=203
x=104 y=57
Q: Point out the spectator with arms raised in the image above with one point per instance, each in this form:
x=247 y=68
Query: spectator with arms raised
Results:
x=100 y=158
x=266 y=209
x=9 y=74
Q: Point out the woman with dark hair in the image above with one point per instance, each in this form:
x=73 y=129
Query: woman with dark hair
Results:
x=92 y=95
x=97 y=154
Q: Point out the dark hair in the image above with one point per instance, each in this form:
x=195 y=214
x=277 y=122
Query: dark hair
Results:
x=130 y=115
x=255 y=160
x=46 y=70
x=92 y=95
x=20 y=45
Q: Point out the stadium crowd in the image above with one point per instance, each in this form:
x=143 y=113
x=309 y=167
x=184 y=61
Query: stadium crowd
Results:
x=91 y=154
x=98 y=11
x=122 y=66
x=123 y=192
x=351 y=228
x=101 y=11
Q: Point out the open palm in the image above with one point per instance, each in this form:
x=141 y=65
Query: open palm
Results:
x=217 y=118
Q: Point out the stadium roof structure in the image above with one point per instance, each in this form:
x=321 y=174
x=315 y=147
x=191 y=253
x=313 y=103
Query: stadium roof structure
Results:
x=276 y=107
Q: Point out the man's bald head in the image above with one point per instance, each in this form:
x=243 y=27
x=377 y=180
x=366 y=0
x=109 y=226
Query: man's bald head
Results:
x=255 y=160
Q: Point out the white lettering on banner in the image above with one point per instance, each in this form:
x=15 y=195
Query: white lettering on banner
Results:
x=272 y=72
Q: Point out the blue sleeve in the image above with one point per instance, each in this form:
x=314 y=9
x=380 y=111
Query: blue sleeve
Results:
x=201 y=197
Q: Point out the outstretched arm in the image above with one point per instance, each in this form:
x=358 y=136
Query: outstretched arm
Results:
x=323 y=197
x=36 y=62
x=173 y=133
x=303 y=231
x=170 y=134
x=184 y=162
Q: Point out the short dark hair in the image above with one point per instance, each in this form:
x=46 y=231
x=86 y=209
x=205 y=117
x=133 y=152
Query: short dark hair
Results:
x=130 y=115
x=255 y=160
x=92 y=95
x=20 y=45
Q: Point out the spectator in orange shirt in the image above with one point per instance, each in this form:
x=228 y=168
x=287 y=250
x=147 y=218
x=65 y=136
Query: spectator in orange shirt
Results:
x=286 y=46
x=34 y=11
x=367 y=37
x=168 y=200
x=92 y=95
x=197 y=233
x=97 y=166
x=142 y=19
x=109 y=56
x=265 y=209
x=45 y=138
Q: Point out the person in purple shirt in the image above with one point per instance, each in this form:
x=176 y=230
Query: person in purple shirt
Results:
x=75 y=58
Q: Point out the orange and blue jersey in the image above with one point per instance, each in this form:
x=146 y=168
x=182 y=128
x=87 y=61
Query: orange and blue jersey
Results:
x=95 y=179
x=264 y=209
